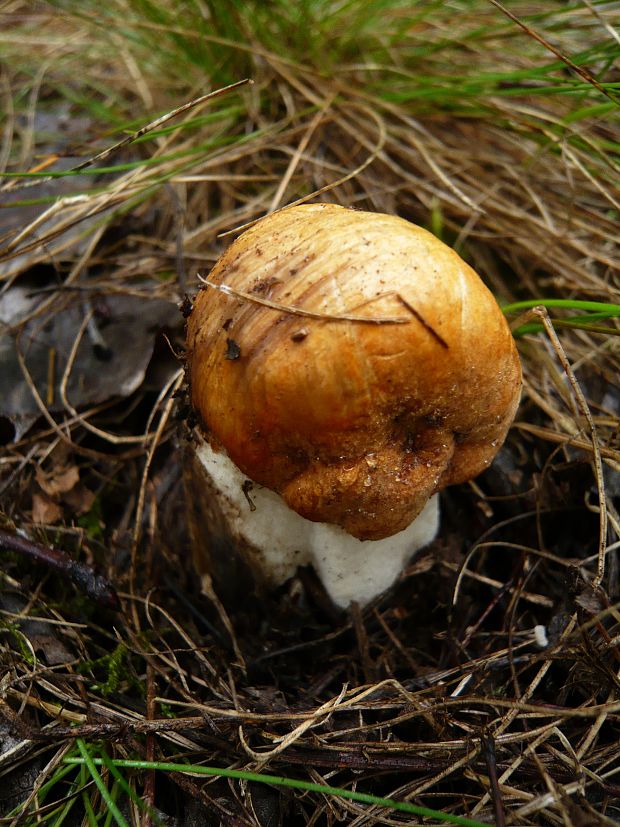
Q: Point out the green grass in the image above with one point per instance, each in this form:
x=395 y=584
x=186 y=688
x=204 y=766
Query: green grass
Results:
x=78 y=785
x=108 y=797
x=86 y=759
x=88 y=778
x=595 y=312
x=428 y=57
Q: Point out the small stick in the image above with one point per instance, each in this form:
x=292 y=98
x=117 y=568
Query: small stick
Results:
x=149 y=781
x=300 y=311
x=93 y=585
x=51 y=376
x=488 y=749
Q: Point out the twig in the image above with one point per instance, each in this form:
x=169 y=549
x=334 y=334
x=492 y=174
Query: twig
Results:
x=93 y=585
x=149 y=781
x=300 y=311
x=488 y=750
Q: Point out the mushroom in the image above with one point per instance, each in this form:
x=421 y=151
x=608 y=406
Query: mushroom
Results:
x=345 y=366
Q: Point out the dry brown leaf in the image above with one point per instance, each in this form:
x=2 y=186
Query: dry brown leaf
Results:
x=45 y=510
x=60 y=481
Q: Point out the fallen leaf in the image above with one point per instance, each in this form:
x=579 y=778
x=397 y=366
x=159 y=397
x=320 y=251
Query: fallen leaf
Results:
x=54 y=651
x=110 y=362
x=60 y=481
x=45 y=510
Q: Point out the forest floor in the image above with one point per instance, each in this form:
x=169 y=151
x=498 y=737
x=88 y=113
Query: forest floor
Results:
x=485 y=687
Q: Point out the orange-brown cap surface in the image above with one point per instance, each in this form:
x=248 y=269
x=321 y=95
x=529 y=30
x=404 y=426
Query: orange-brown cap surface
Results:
x=353 y=423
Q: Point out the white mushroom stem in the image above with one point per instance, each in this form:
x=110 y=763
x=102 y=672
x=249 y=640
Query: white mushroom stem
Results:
x=279 y=540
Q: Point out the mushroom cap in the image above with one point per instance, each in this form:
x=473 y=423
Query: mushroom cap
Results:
x=353 y=423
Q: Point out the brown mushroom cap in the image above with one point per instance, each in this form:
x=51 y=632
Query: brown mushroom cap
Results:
x=352 y=423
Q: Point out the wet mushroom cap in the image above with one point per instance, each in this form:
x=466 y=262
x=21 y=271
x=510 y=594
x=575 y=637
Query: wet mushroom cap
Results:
x=353 y=423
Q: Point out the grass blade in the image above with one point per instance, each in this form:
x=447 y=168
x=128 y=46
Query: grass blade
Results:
x=291 y=783
x=90 y=763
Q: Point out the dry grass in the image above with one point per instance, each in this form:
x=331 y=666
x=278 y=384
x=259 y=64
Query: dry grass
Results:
x=488 y=684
